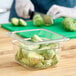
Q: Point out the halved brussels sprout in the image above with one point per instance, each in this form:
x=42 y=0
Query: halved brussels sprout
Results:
x=36 y=38
x=55 y=59
x=18 y=22
x=53 y=45
x=15 y=21
x=48 y=63
x=31 y=47
x=47 y=54
x=44 y=64
x=34 y=58
x=19 y=54
x=24 y=61
x=48 y=20
x=22 y=22
x=39 y=65
x=49 y=46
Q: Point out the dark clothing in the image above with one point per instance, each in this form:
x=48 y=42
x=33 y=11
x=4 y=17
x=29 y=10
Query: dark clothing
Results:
x=43 y=5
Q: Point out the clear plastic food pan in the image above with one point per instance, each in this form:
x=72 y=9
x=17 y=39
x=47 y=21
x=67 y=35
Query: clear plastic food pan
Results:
x=37 y=48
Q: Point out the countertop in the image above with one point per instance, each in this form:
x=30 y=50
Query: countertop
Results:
x=8 y=66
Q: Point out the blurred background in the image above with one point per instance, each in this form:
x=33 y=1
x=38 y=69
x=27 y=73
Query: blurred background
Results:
x=4 y=18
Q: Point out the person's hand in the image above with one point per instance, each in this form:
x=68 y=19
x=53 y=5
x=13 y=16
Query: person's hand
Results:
x=22 y=8
x=58 y=11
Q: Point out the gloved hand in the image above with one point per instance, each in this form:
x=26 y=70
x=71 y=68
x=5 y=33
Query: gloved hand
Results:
x=58 y=11
x=22 y=8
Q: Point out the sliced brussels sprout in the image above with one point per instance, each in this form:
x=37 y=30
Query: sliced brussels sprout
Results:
x=37 y=20
x=43 y=45
x=34 y=58
x=31 y=47
x=55 y=59
x=48 y=63
x=45 y=64
x=47 y=54
x=24 y=61
x=45 y=48
x=48 y=20
x=36 y=38
x=15 y=21
x=49 y=46
x=25 y=53
x=39 y=65
x=53 y=45
x=19 y=54
x=22 y=22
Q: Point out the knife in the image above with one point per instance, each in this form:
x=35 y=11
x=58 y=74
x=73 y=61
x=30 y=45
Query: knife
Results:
x=45 y=17
x=4 y=10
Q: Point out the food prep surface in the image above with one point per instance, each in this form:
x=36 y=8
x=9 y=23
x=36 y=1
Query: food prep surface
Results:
x=56 y=27
x=9 y=67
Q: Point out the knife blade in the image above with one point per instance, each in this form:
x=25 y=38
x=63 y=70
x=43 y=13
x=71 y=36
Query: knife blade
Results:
x=4 y=10
x=46 y=18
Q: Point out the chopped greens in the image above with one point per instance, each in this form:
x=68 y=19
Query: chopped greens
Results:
x=37 y=56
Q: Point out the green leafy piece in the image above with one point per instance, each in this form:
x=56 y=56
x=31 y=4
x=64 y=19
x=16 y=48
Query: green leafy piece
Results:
x=47 y=54
x=31 y=47
x=19 y=54
x=69 y=24
x=15 y=21
x=43 y=45
x=49 y=46
x=48 y=20
x=45 y=64
x=24 y=61
x=48 y=63
x=34 y=58
x=35 y=38
x=25 y=53
x=37 y=56
x=22 y=22
x=55 y=60
x=53 y=45
x=38 y=20
x=31 y=57
x=39 y=65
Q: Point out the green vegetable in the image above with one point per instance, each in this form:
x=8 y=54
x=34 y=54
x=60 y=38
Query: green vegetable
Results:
x=47 y=54
x=45 y=64
x=53 y=45
x=34 y=58
x=31 y=47
x=37 y=56
x=15 y=21
x=69 y=24
x=39 y=65
x=47 y=20
x=24 y=61
x=18 y=22
x=19 y=54
x=48 y=46
x=30 y=58
x=55 y=60
x=22 y=22
x=36 y=38
x=48 y=63
x=38 y=20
